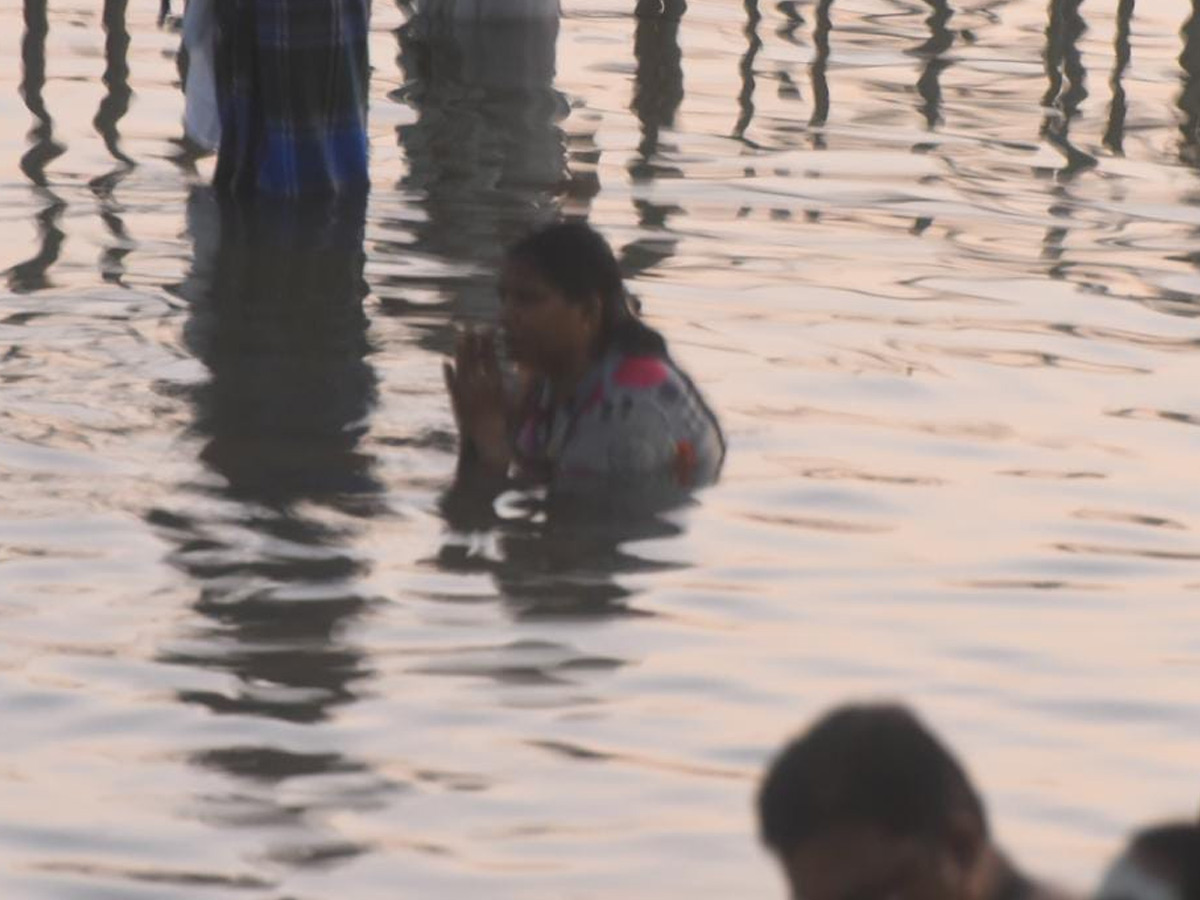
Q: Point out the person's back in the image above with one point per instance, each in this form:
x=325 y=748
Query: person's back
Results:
x=869 y=805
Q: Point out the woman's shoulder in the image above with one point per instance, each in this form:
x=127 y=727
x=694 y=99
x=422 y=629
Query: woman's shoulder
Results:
x=651 y=392
x=654 y=380
x=646 y=376
x=644 y=416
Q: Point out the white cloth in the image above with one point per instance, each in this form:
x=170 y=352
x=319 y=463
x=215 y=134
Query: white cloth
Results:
x=201 y=120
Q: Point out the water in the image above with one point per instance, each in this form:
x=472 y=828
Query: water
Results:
x=934 y=264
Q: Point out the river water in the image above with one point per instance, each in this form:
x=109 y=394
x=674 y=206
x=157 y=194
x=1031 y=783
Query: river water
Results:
x=934 y=264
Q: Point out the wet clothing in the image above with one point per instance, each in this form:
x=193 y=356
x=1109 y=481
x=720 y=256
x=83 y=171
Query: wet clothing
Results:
x=291 y=84
x=632 y=417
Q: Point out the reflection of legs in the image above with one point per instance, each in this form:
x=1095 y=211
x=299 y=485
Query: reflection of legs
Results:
x=30 y=275
x=658 y=84
x=285 y=339
x=753 y=46
x=485 y=152
x=932 y=50
x=44 y=148
x=1064 y=63
x=274 y=313
x=116 y=78
x=820 y=64
x=1114 y=134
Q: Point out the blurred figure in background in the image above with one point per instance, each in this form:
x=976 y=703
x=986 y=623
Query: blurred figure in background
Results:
x=869 y=805
x=1160 y=863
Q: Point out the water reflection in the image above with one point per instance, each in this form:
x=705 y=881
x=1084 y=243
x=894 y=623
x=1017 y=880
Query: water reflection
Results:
x=794 y=21
x=657 y=94
x=932 y=50
x=268 y=534
x=556 y=556
x=818 y=69
x=746 y=68
x=31 y=275
x=485 y=154
x=113 y=108
x=657 y=83
x=116 y=100
x=1114 y=132
x=1066 y=89
x=1189 y=96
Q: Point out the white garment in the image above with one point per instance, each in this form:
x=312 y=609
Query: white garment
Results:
x=201 y=120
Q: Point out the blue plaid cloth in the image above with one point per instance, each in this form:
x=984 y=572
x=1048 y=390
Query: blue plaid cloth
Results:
x=292 y=95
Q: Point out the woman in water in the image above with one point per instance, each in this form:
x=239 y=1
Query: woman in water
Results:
x=598 y=398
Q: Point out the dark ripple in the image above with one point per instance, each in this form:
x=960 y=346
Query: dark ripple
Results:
x=1156 y=415
x=1118 y=551
x=317 y=856
x=580 y=753
x=271 y=764
x=813 y=523
x=1109 y=515
x=158 y=876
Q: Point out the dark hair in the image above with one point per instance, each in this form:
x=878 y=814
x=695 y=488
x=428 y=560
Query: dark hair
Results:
x=875 y=765
x=576 y=259
x=1174 y=852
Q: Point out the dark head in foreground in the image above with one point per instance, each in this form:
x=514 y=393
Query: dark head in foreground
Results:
x=869 y=805
x=1160 y=863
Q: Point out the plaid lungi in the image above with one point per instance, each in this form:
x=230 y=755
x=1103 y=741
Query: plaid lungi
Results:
x=292 y=81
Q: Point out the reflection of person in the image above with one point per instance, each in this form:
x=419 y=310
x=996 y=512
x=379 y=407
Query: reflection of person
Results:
x=599 y=395
x=282 y=329
x=869 y=805
x=1160 y=863
x=552 y=559
x=275 y=316
x=290 y=85
x=485 y=153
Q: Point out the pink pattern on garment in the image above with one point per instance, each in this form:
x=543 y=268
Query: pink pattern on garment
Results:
x=641 y=372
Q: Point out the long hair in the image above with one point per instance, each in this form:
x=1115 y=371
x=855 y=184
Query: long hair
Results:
x=575 y=259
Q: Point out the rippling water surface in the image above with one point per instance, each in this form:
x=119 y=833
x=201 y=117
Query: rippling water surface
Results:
x=935 y=263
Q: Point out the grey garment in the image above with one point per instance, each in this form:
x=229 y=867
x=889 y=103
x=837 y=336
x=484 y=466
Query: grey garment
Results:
x=636 y=418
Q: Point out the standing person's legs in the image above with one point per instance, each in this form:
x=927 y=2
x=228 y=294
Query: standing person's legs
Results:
x=292 y=80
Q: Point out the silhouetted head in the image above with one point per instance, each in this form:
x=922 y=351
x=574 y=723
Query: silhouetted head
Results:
x=1160 y=863
x=563 y=300
x=869 y=805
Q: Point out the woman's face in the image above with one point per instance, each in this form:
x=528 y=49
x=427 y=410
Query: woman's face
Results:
x=542 y=329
